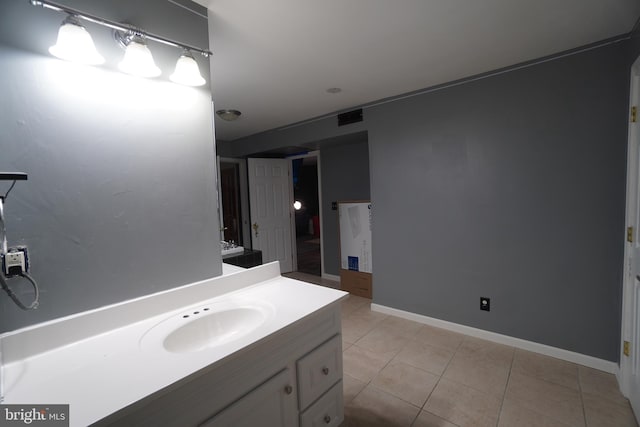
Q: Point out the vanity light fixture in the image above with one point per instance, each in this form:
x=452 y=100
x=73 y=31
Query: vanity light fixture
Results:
x=187 y=71
x=138 y=60
x=75 y=44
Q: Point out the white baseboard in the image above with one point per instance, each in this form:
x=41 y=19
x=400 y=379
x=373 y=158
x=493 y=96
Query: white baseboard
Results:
x=570 y=356
x=331 y=277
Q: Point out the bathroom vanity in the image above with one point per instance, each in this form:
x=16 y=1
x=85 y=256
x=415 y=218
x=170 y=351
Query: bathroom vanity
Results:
x=248 y=348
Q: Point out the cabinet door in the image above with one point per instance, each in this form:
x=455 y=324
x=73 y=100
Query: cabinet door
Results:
x=271 y=404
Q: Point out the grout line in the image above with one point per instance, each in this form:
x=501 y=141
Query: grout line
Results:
x=358 y=393
x=504 y=396
x=438 y=382
x=584 y=411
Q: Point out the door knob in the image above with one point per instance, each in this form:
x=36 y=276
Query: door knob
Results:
x=288 y=389
x=255 y=227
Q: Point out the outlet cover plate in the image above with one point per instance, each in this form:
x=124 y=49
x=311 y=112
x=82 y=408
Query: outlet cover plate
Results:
x=485 y=304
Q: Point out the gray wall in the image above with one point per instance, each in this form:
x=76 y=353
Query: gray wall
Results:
x=510 y=187
x=121 y=198
x=513 y=188
x=345 y=176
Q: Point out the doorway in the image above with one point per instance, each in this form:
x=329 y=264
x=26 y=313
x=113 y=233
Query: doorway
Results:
x=306 y=196
x=629 y=377
x=234 y=201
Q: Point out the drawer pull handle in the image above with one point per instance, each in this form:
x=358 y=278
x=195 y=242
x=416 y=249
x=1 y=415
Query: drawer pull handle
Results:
x=327 y=419
x=325 y=370
x=288 y=389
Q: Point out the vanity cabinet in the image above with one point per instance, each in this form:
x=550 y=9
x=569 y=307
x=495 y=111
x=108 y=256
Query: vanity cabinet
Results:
x=291 y=378
x=271 y=404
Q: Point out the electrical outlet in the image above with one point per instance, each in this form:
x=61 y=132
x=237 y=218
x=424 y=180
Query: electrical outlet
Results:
x=485 y=304
x=15 y=261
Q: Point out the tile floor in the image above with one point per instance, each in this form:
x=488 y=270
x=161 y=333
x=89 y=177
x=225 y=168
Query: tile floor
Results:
x=403 y=373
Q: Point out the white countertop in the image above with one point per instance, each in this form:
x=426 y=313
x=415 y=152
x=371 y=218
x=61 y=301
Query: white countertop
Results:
x=104 y=369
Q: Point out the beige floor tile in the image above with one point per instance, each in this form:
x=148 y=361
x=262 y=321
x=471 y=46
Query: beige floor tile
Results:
x=601 y=384
x=363 y=364
x=351 y=387
x=514 y=414
x=439 y=337
x=424 y=356
x=352 y=303
x=395 y=365
x=354 y=328
x=546 y=368
x=605 y=413
x=410 y=384
x=403 y=327
x=329 y=283
x=487 y=351
x=355 y=299
x=373 y=408
x=381 y=340
x=345 y=344
x=426 y=419
x=463 y=405
x=558 y=402
x=364 y=312
x=478 y=374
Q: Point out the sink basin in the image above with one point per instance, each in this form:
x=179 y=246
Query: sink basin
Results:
x=206 y=327
x=214 y=329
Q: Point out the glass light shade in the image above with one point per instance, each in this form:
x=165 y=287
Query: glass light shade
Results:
x=138 y=60
x=75 y=44
x=187 y=71
x=229 y=115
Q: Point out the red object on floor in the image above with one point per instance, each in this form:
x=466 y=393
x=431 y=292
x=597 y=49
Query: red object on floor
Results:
x=316 y=225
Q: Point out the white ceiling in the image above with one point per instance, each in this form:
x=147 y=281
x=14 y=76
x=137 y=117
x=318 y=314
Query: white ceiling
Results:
x=273 y=60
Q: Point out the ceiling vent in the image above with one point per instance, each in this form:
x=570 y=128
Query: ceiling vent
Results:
x=347 y=118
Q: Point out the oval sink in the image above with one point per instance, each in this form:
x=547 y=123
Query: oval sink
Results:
x=207 y=326
x=214 y=329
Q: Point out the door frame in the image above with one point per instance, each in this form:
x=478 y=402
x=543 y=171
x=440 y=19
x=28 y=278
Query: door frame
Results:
x=625 y=373
x=316 y=154
x=244 y=198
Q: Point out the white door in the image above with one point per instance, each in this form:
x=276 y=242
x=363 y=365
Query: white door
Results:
x=271 y=207
x=630 y=353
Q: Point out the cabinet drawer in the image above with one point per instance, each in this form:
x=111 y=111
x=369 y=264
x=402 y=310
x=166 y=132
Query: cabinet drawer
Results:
x=319 y=370
x=328 y=411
